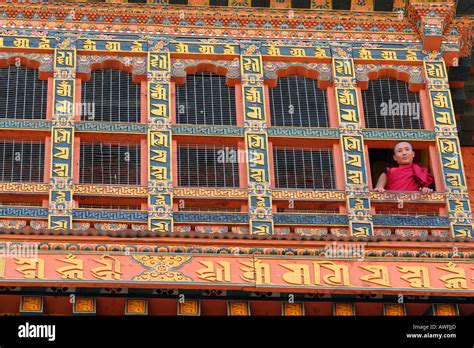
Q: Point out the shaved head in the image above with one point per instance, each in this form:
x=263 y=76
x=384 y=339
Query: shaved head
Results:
x=401 y=143
x=403 y=153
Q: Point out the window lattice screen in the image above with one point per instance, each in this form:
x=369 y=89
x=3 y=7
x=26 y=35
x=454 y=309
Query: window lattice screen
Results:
x=383 y=5
x=301 y=3
x=297 y=101
x=21 y=204
x=104 y=163
x=205 y=99
x=110 y=96
x=22 y=94
x=389 y=104
x=208 y=166
x=308 y=211
x=109 y=206
x=260 y=3
x=233 y=210
x=341 y=5
x=219 y=2
x=303 y=168
x=21 y=160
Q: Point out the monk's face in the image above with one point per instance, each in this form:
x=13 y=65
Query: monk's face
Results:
x=404 y=153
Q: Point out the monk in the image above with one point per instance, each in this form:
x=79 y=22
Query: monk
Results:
x=408 y=176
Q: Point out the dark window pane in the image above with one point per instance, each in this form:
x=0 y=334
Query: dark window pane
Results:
x=301 y=3
x=104 y=163
x=389 y=104
x=219 y=3
x=205 y=99
x=21 y=160
x=208 y=166
x=22 y=94
x=110 y=96
x=297 y=102
x=383 y=5
x=260 y=3
x=303 y=168
x=341 y=4
x=109 y=206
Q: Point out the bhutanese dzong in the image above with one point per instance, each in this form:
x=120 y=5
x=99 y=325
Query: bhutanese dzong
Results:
x=213 y=157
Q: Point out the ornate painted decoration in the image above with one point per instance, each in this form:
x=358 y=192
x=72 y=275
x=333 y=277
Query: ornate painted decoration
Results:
x=449 y=149
x=258 y=272
x=352 y=142
x=256 y=140
x=62 y=135
x=160 y=196
x=255 y=61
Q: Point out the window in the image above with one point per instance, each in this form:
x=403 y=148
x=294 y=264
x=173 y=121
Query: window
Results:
x=379 y=160
x=297 y=102
x=137 y=1
x=21 y=204
x=308 y=211
x=382 y=158
x=260 y=3
x=303 y=168
x=341 y=5
x=178 y=2
x=208 y=166
x=464 y=7
x=205 y=99
x=210 y=209
x=22 y=94
x=109 y=206
x=389 y=104
x=219 y=3
x=21 y=160
x=104 y=163
x=110 y=96
x=301 y=3
x=383 y=5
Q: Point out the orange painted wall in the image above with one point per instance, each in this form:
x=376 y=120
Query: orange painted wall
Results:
x=468 y=160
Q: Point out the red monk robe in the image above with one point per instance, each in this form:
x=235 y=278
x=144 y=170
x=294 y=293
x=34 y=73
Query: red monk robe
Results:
x=408 y=177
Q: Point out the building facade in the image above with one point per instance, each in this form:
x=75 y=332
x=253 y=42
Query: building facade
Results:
x=219 y=158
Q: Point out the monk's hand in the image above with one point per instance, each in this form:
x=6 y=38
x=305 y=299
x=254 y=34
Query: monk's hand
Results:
x=425 y=190
x=379 y=189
